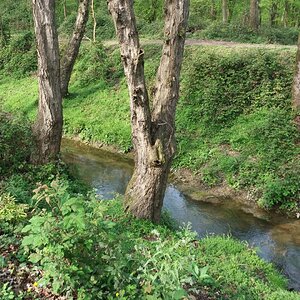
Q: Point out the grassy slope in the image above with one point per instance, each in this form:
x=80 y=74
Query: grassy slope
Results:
x=234 y=121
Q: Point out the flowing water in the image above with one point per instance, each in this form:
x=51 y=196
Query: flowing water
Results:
x=277 y=240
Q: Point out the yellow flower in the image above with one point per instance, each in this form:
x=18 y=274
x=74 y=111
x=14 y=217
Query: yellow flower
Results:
x=117 y=294
x=35 y=284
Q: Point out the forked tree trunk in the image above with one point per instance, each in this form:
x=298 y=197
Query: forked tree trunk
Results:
x=153 y=130
x=296 y=82
x=48 y=127
x=254 y=15
x=71 y=53
x=225 y=11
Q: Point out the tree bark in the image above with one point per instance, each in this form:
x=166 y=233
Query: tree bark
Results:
x=213 y=12
x=94 y=21
x=296 y=82
x=71 y=53
x=273 y=14
x=48 y=127
x=225 y=11
x=153 y=130
x=65 y=9
x=254 y=15
x=285 y=14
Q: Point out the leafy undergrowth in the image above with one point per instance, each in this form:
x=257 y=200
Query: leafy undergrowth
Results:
x=234 y=121
x=71 y=246
x=241 y=33
x=58 y=241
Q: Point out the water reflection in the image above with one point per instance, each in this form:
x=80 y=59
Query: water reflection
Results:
x=277 y=241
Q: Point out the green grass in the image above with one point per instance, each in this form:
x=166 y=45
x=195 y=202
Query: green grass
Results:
x=234 y=119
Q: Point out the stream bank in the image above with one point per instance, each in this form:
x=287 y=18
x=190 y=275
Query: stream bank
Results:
x=276 y=238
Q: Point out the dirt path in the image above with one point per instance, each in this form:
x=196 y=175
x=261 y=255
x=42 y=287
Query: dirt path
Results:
x=195 y=42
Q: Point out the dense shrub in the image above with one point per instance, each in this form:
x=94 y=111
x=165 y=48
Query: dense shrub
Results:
x=93 y=65
x=16 y=143
x=235 y=123
x=241 y=33
x=18 y=58
x=4 y=33
x=89 y=249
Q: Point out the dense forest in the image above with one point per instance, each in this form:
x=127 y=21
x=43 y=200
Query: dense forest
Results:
x=261 y=21
x=78 y=70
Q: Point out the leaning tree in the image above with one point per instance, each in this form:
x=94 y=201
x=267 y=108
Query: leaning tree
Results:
x=153 y=126
x=48 y=126
x=71 y=53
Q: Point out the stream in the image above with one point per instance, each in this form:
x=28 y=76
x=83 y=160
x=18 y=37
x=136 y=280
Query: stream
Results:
x=277 y=239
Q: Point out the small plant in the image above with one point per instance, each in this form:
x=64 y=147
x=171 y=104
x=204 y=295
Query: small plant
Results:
x=10 y=211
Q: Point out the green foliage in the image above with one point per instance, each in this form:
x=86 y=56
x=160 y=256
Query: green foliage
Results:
x=4 y=33
x=104 y=29
x=78 y=249
x=234 y=121
x=62 y=238
x=16 y=143
x=18 y=58
x=93 y=66
x=243 y=33
x=89 y=249
x=81 y=248
x=149 y=10
x=11 y=211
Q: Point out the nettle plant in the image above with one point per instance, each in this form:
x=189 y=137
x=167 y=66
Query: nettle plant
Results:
x=85 y=251
x=65 y=239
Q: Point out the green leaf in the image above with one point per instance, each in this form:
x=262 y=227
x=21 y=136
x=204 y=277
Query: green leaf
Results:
x=35 y=258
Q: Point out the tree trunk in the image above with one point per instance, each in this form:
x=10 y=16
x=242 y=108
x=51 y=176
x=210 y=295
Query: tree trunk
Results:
x=94 y=21
x=273 y=14
x=48 y=127
x=225 y=11
x=65 y=9
x=254 y=15
x=153 y=132
x=296 y=82
x=213 y=12
x=71 y=53
x=285 y=14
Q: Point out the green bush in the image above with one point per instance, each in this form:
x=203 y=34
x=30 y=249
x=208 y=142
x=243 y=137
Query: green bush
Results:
x=242 y=33
x=93 y=66
x=4 y=33
x=80 y=250
x=18 y=58
x=234 y=122
x=10 y=211
x=88 y=249
x=16 y=143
